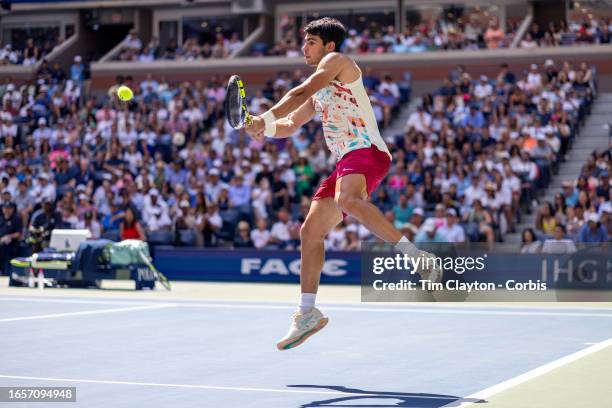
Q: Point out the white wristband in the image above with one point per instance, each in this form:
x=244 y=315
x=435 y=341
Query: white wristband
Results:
x=270 y=122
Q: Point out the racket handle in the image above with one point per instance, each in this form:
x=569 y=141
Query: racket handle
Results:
x=248 y=120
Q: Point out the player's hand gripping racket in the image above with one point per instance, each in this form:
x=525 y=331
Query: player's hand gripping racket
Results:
x=235 y=104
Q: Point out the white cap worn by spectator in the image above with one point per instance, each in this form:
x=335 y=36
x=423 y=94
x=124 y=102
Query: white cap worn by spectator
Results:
x=429 y=227
x=593 y=217
x=78 y=58
x=605 y=207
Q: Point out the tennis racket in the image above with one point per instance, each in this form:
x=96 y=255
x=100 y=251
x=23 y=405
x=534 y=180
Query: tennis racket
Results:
x=235 y=104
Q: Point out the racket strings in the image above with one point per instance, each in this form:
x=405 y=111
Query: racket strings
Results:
x=234 y=105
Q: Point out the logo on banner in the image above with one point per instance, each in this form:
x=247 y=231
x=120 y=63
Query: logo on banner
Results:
x=276 y=266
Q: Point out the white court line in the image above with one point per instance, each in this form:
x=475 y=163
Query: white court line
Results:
x=340 y=308
x=212 y=387
x=77 y=301
x=400 y=310
x=529 y=375
x=382 y=305
x=87 y=312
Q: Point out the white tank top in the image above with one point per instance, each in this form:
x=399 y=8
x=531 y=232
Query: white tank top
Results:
x=348 y=118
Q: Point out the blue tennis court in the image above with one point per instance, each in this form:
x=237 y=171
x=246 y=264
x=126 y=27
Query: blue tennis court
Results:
x=128 y=353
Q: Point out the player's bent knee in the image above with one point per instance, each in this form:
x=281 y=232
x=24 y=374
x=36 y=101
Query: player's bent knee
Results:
x=347 y=202
x=309 y=232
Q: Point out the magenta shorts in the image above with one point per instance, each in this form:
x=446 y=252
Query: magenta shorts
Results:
x=370 y=162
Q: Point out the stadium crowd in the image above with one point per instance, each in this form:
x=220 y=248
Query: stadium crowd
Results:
x=29 y=53
x=581 y=212
x=133 y=49
x=166 y=167
x=438 y=35
x=562 y=33
x=417 y=38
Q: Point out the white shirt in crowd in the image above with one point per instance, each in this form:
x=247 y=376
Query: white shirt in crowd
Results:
x=472 y=193
x=452 y=233
x=420 y=122
x=559 y=246
x=95 y=228
x=336 y=240
x=260 y=238
x=391 y=86
x=481 y=90
x=534 y=80
x=280 y=231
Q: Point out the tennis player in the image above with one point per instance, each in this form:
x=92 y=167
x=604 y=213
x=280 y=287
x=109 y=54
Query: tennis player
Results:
x=335 y=91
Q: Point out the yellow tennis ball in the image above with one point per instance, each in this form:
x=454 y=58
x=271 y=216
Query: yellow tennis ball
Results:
x=124 y=93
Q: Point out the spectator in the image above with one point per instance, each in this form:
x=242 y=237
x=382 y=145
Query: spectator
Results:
x=77 y=71
x=528 y=42
x=546 y=220
x=474 y=118
x=209 y=224
x=261 y=235
x=530 y=244
x=243 y=238
x=559 y=244
x=131 y=46
x=336 y=239
x=479 y=224
x=10 y=235
x=91 y=224
x=239 y=192
x=262 y=198
x=402 y=211
x=484 y=89
x=280 y=235
x=419 y=121
x=452 y=231
x=220 y=49
x=130 y=227
x=43 y=221
x=234 y=43
x=429 y=233
x=494 y=36
x=593 y=231
x=605 y=217
x=8 y=55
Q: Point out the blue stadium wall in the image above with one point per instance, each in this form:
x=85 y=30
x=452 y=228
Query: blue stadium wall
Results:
x=251 y=265
x=589 y=268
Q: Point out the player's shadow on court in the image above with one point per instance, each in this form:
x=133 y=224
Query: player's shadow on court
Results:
x=396 y=399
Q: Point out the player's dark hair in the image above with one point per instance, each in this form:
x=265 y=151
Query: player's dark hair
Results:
x=329 y=29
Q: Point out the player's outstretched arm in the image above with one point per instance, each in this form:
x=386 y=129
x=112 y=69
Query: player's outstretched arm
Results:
x=286 y=127
x=328 y=69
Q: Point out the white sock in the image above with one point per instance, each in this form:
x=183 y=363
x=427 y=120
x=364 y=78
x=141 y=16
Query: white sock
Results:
x=406 y=247
x=307 y=302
